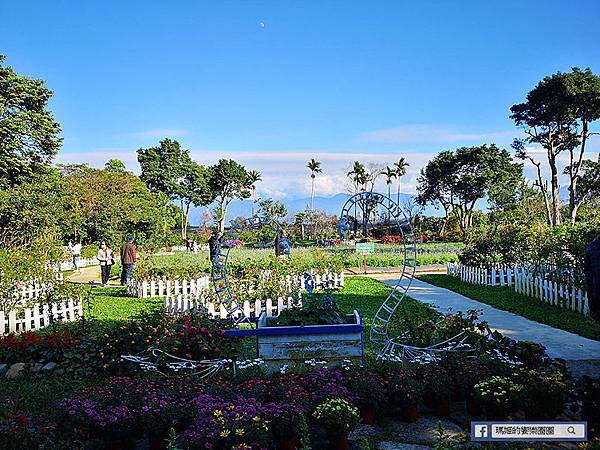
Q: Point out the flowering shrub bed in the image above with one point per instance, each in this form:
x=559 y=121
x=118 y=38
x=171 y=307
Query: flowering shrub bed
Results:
x=35 y=347
x=255 y=410
x=97 y=347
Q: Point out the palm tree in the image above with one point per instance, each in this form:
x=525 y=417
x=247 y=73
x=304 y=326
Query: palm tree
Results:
x=253 y=178
x=400 y=168
x=315 y=167
x=389 y=173
x=357 y=174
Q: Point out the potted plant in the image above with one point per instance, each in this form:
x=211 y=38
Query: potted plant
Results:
x=285 y=424
x=405 y=392
x=499 y=396
x=369 y=391
x=437 y=387
x=339 y=418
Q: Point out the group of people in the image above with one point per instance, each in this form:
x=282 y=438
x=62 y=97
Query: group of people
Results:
x=192 y=246
x=106 y=258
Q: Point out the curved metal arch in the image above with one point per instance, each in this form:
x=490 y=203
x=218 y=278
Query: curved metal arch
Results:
x=219 y=262
x=392 y=348
x=379 y=328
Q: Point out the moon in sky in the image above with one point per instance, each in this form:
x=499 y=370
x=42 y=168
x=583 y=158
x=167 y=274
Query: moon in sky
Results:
x=262 y=24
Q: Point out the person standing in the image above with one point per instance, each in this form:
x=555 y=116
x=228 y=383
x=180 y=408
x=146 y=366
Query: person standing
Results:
x=128 y=259
x=214 y=244
x=75 y=248
x=106 y=258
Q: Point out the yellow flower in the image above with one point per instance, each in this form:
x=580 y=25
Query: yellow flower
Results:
x=256 y=419
x=225 y=433
x=239 y=431
x=217 y=413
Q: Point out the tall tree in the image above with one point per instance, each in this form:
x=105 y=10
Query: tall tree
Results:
x=401 y=167
x=273 y=209
x=389 y=173
x=583 y=88
x=457 y=180
x=169 y=169
x=315 y=167
x=253 y=178
x=114 y=165
x=228 y=180
x=29 y=135
x=358 y=175
x=556 y=115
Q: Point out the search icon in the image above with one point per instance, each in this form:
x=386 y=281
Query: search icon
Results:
x=571 y=430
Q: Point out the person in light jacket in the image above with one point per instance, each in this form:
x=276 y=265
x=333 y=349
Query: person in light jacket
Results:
x=75 y=248
x=128 y=259
x=106 y=258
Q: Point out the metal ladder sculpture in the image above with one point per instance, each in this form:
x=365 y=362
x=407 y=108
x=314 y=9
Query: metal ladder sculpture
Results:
x=392 y=348
x=219 y=262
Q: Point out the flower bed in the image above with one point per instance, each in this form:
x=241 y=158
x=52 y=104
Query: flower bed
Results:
x=259 y=410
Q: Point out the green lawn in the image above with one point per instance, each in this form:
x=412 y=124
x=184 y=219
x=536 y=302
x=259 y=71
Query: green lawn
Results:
x=507 y=299
x=113 y=303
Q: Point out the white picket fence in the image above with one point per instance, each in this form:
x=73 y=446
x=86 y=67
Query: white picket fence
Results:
x=35 y=316
x=525 y=282
x=163 y=287
x=182 y=304
x=83 y=262
x=33 y=289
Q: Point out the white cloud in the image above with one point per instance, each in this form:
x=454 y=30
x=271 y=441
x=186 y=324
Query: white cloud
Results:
x=423 y=133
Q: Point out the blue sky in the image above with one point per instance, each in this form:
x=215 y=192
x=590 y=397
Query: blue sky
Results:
x=334 y=80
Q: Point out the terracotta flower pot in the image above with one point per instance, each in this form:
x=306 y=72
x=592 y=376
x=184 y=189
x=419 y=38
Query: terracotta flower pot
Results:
x=338 y=440
x=409 y=414
x=289 y=443
x=367 y=414
x=442 y=407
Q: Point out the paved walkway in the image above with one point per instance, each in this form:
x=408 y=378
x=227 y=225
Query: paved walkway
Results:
x=90 y=274
x=559 y=343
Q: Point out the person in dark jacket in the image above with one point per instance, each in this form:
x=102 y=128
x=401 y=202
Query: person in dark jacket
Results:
x=128 y=259
x=592 y=277
x=214 y=244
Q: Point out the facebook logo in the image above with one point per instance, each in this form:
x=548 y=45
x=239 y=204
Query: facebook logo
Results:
x=480 y=431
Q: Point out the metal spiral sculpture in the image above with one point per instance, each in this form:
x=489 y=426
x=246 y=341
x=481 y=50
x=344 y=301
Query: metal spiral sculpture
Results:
x=221 y=257
x=361 y=210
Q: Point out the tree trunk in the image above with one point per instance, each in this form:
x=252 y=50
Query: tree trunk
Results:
x=312 y=193
x=556 y=220
x=183 y=221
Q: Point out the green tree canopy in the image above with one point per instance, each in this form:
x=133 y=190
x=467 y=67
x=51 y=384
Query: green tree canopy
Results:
x=228 y=180
x=557 y=115
x=457 y=180
x=169 y=169
x=29 y=135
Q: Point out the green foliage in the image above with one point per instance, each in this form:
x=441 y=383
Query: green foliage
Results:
x=313 y=313
x=19 y=266
x=508 y=300
x=29 y=135
x=337 y=414
x=32 y=209
x=228 y=180
x=457 y=180
x=106 y=205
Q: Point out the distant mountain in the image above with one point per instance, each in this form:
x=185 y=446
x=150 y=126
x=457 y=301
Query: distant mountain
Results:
x=331 y=205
